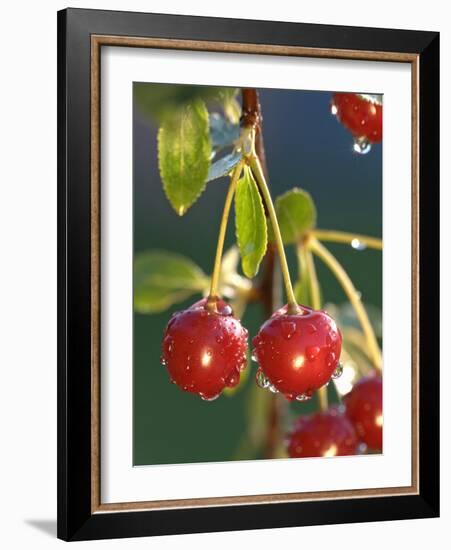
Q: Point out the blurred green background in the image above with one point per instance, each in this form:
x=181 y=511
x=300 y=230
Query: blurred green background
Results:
x=305 y=147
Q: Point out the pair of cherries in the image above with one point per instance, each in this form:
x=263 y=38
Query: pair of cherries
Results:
x=205 y=350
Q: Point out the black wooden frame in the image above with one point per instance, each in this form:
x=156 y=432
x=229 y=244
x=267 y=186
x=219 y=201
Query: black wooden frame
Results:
x=75 y=520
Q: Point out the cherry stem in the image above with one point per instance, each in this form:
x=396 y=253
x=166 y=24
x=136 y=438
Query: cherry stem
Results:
x=214 y=287
x=347 y=238
x=257 y=171
x=354 y=297
x=308 y=263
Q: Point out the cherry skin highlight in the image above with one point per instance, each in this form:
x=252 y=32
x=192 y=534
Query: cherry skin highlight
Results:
x=205 y=350
x=364 y=409
x=297 y=353
x=361 y=116
x=327 y=433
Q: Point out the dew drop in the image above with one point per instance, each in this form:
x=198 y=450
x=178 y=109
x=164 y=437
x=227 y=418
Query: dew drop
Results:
x=331 y=337
x=254 y=356
x=288 y=329
x=209 y=397
x=233 y=380
x=226 y=310
x=358 y=245
x=361 y=449
x=338 y=371
x=312 y=352
x=361 y=146
x=334 y=110
x=311 y=328
x=163 y=360
x=273 y=388
x=304 y=396
x=330 y=359
x=219 y=338
x=261 y=379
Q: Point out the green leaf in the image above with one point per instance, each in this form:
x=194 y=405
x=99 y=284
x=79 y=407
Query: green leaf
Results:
x=250 y=221
x=296 y=213
x=184 y=151
x=224 y=166
x=164 y=278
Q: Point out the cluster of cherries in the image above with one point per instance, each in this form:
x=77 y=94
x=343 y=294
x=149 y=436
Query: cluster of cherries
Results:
x=343 y=430
x=361 y=114
x=205 y=350
x=205 y=346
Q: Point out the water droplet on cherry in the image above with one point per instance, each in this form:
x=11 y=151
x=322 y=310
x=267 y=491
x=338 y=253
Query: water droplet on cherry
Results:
x=209 y=397
x=288 y=329
x=312 y=352
x=338 y=371
x=261 y=379
x=361 y=146
x=330 y=359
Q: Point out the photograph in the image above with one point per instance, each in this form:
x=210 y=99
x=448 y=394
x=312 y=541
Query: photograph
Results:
x=257 y=273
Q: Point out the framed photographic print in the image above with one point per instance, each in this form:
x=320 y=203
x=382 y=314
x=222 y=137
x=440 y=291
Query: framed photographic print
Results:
x=248 y=274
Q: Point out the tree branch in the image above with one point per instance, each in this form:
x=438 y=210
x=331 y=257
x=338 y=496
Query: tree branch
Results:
x=268 y=285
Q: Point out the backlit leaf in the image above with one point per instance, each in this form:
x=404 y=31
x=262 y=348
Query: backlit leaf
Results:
x=224 y=166
x=250 y=220
x=296 y=213
x=163 y=278
x=184 y=151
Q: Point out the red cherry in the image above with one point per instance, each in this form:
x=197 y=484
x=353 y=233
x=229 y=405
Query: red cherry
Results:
x=205 y=351
x=364 y=409
x=326 y=433
x=297 y=353
x=360 y=114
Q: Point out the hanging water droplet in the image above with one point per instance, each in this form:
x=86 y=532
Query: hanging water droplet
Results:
x=361 y=146
x=358 y=245
x=261 y=379
x=304 y=396
x=288 y=329
x=254 y=356
x=334 y=109
x=209 y=397
x=273 y=388
x=338 y=371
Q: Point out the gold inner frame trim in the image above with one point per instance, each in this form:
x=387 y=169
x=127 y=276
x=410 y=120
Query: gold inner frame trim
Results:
x=97 y=41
